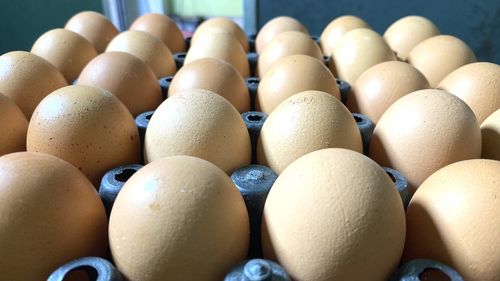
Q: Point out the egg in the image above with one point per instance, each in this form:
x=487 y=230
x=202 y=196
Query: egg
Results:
x=51 y=214
x=222 y=45
x=383 y=84
x=95 y=27
x=148 y=48
x=453 y=218
x=198 y=123
x=86 y=126
x=332 y=33
x=13 y=125
x=334 y=214
x=180 y=218
x=26 y=79
x=423 y=132
x=164 y=28
x=125 y=76
x=291 y=75
x=490 y=132
x=225 y=24
x=275 y=26
x=66 y=50
x=285 y=44
x=407 y=32
x=478 y=84
x=215 y=75
x=306 y=122
x=358 y=50
x=439 y=55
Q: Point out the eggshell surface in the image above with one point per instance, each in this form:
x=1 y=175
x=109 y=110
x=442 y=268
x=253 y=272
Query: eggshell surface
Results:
x=13 y=125
x=336 y=28
x=225 y=24
x=164 y=28
x=490 y=132
x=95 y=27
x=274 y=27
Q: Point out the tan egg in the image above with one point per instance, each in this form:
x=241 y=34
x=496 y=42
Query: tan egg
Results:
x=26 y=79
x=478 y=84
x=198 y=123
x=383 y=84
x=13 y=125
x=126 y=77
x=164 y=28
x=407 y=32
x=490 y=132
x=95 y=27
x=214 y=75
x=186 y=219
x=51 y=214
x=423 y=132
x=66 y=50
x=306 y=122
x=148 y=48
x=219 y=44
x=225 y=24
x=285 y=44
x=331 y=213
x=453 y=218
x=291 y=75
x=336 y=28
x=438 y=56
x=274 y=27
x=358 y=50
x=86 y=126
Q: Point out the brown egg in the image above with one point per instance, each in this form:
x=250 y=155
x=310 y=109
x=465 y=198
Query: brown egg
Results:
x=291 y=75
x=423 y=132
x=439 y=55
x=383 y=84
x=199 y=123
x=148 y=48
x=13 y=125
x=274 y=27
x=26 y=79
x=220 y=44
x=86 y=126
x=214 y=75
x=358 y=50
x=225 y=24
x=51 y=214
x=490 y=132
x=478 y=84
x=95 y=27
x=306 y=122
x=186 y=219
x=407 y=32
x=332 y=213
x=66 y=50
x=285 y=44
x=126 y=77
x=453 y=218
x=164 y=28
x=336 y=28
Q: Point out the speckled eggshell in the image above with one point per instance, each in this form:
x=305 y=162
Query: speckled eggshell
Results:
x=490 y=132
x=285 y=44
x=336 y=28
x=334 y=214
x=383 y=84
x=26 y=79
x=274 y=27
x=478 y=84
x=407 y=32
x=305 y=122
x=180 y=218
x=164 y=28
x=13 y=125
x=50 y=215
x=86 y=126
x=291 y=75
x=95 y=27
x=214 y=75
x=225 y=24
x=423 y=132
x=358 y=50
x=68 y=51
x=453 y=218
x=438 y=56
x=198 y=123
x=125 y=76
